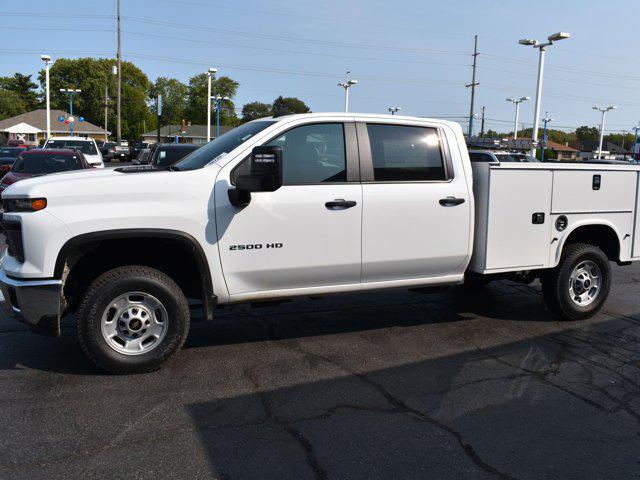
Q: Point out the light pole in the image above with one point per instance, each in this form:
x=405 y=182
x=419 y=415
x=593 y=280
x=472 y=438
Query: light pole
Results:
x=47 y=64
x=543 y=48
x=603 y=111
x=212 y=71
x=70 y=91
x=347 y=85
x=218 y=100
x=517 y=102
x=545 y=120
x=394 y=110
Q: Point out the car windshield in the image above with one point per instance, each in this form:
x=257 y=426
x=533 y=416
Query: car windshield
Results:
x=516 y=157
x=86 y=147
x=222 y=145
x=39 y=163
x=10 y=152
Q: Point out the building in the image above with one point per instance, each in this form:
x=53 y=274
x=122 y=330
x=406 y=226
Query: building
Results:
x=553 y=150
x=30 y=128
x=183 y=134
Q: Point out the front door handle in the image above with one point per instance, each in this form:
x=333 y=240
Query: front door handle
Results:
x=451 y=201
x=340 y=204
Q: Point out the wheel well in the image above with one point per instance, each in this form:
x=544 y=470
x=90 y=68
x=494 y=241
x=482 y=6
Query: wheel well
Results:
x=82 y=262
x=601 y=236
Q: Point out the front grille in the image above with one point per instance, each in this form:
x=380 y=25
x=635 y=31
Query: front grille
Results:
x=13 y=232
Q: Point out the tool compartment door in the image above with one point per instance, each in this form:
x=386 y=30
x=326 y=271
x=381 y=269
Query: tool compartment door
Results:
x=515 y=239
x=593 y=191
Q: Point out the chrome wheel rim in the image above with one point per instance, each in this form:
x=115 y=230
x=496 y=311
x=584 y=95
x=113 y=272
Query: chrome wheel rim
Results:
x=134 y=323
x=585 y=283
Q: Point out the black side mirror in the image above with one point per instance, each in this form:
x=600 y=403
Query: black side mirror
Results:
x=265 y=175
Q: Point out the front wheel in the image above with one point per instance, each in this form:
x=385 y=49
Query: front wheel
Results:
x=132 y=319
x=578 y=287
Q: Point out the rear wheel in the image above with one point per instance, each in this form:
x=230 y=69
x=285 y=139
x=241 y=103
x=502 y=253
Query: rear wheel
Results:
x=132 y=319
x=578 y=287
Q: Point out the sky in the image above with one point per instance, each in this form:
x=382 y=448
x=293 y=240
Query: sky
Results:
x=407 y=53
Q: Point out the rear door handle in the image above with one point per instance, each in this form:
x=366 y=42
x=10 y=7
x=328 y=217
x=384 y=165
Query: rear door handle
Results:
x=340 y=204
x=451 y=201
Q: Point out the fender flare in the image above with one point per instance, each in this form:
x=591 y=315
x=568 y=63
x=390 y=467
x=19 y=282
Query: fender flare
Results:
x=209 y=299
x=586 y=223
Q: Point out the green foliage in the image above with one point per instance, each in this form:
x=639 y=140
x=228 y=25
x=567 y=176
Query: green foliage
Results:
x=196 y=108
x=174 y=99
x=586 y=133
x=289 y=105
x=23 y=86
x=11 y=104
x=92 y=75
x=254 y=110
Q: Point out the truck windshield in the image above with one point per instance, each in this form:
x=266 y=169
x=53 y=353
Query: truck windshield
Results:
x=221 y=145
x=85 y=146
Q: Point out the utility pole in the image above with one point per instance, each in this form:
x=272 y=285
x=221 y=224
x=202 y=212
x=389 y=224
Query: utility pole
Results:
x=119 y=81
x=106 y=112
x=545 y=121
x=473 y=83
x=482 y=124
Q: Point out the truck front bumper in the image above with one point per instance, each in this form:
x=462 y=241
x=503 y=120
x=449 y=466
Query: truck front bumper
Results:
x=37 y=303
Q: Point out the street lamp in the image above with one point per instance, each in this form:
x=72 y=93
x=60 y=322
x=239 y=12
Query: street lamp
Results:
x=70 y=91
x=543 y=48
x=212 y=71
x=517 y=102
x=394 y=110
x=545 y=120
x=347 y=85
x=603 y=111
x=47 y=64
x=218 y=100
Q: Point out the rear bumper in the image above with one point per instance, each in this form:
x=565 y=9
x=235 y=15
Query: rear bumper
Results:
x=37 y=303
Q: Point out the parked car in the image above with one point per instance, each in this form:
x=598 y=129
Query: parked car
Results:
x=87 y=146
x=167 y=154
x=8 y=155
x=500 y=156
x=37 y=162
x=137 y=148
x=113 y=151
x=144 y=157
x=304 y=205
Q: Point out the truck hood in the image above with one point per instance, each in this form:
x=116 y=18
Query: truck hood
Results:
x=104 y=184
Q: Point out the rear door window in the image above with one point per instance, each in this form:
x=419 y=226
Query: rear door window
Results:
x=406 y=153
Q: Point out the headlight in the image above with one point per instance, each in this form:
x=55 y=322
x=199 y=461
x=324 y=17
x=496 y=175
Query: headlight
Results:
x=24 y=204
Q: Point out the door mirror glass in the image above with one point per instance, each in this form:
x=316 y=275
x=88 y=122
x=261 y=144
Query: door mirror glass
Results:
x=265 y=172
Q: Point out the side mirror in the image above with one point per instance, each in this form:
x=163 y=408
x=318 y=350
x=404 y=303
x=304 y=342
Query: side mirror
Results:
x=265 y=175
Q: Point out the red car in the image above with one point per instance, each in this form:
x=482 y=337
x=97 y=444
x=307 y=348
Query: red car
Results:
x=36 y=162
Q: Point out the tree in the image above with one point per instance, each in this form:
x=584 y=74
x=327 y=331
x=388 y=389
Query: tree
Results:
x=92 y=75
x=23 y=86
x=174 y=99
x=586 y=134
x=10 y=104
x=254 y=110
x=289 y=105
x=196 y=109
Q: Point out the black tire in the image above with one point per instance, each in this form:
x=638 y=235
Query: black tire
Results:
x=119 y=281
x=556 y=282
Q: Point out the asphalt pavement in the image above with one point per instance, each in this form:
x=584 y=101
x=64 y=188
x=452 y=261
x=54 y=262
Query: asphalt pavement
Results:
x=394 y=385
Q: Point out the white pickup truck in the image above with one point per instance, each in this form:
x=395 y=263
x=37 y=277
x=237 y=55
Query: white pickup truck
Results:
x=303 y=205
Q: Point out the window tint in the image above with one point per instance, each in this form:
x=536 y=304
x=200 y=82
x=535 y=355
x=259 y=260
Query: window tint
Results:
x=313 y=154
x=39 y=163
x=480 y=157
x=402 y=153
x=169 y=155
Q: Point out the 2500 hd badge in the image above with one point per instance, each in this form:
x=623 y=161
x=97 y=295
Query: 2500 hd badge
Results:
x=255 y=246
